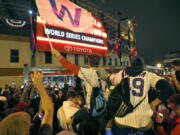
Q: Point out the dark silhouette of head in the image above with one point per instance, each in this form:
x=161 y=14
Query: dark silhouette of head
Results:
x=137 y=61
x=175 y=63
x=94 y=60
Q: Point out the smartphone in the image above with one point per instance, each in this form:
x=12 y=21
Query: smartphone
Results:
x=161 y=115
x=56 y=89
x=40 y=116
x=22 y=86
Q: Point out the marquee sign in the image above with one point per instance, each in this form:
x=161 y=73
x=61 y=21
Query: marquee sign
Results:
x=60 y=33
x=67 y=41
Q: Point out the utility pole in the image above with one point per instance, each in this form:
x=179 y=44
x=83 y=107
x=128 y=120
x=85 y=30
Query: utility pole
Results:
x=119 y=38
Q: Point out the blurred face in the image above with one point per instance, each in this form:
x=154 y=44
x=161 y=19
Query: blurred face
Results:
x=60 y=94
x=171 y=106
x=77 y=102
x=71 y=89
x=175 y=67
x=175 y=108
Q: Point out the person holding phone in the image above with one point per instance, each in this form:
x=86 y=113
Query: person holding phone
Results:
x=139 y=121
x=46 y=104
x=174 y=127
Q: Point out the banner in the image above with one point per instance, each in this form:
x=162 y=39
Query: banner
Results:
x=59 y=33
x=14 y=27
x=67 y=41
x=66 y=14
x=15 y=23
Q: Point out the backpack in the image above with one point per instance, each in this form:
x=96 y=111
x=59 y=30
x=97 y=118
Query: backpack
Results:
x=98 y=106
x=97 y=101
x=118 y=104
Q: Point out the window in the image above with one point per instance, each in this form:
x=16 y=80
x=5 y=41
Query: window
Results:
x=127 y=63
x=64 y=55
x=120 y=61
x=110 y=62
x=76 y=59
x=124 y=63
x=116 y=62
x=85 y=60
x=14 y=56
x=104 y=61
x=48 y=58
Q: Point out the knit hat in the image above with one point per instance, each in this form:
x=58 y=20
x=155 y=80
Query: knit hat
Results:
x=137 y=61
x=15 y=124
x=21 y=106
x=94 y=60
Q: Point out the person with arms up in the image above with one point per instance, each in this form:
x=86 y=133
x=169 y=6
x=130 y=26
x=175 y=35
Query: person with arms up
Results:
x=87 y=74
x=173 y=128
x=19 y=123
x=94 y=77
x=46 y=104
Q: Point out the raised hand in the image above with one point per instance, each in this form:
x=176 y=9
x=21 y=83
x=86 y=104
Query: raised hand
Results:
x=37 y=78
x=46 y=103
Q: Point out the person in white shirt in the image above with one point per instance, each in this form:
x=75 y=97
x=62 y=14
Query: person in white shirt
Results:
x=140 y=81
x=68 y=109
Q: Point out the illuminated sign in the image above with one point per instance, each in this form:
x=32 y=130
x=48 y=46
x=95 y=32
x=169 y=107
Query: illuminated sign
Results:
x=67 y=41
x=72 y=36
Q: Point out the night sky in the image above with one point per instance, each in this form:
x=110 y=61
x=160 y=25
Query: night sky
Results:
x=158 y=32
x=159 y=24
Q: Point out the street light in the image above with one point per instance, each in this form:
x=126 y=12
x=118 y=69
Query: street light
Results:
x=159 y=65
x=30 y=12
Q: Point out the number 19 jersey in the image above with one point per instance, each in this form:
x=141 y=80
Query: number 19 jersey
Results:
x=139 y=87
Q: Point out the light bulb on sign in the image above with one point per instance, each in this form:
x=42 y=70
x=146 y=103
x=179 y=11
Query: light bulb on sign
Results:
x=159 y=65
x=99 y=25
x=97 y=32
x=104 y=35
x=94 y=22
x=129 y=22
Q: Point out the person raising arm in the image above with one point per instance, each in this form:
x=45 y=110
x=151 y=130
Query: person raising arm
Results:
x=70 y=66
x=46 y=104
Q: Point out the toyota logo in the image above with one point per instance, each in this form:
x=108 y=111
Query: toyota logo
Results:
x=68 y=48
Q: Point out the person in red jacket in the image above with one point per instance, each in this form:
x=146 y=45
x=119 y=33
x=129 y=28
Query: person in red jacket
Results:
x=93 y=77
x=174 y=104
x=89 y=75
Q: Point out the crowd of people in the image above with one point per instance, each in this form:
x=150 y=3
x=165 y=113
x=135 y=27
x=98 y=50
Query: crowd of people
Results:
x=130 y=102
